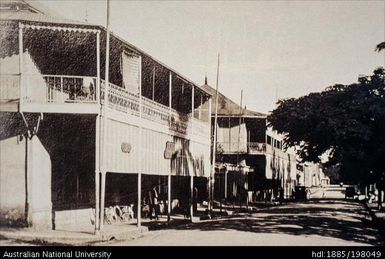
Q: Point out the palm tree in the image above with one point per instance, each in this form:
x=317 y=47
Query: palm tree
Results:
x=380 y=46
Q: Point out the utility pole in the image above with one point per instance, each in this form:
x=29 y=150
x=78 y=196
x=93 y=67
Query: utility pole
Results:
x=106 y=90
x=211 y=182
x=238 y=151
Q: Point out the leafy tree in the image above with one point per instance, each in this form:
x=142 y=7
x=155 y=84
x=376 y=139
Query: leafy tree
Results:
x=345 y=121
x=380 y=46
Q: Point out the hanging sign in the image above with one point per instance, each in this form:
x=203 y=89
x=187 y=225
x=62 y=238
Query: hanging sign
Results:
x=126 y=147
x=170 y=150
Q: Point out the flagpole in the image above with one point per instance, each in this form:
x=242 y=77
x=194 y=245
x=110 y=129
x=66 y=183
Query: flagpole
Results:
x=212 y=175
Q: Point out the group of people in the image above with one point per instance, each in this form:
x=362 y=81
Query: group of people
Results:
x=153 y=206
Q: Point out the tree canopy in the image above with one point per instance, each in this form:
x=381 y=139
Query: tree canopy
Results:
x=345 y=121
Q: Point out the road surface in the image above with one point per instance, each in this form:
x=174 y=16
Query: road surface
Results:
x=311 y=223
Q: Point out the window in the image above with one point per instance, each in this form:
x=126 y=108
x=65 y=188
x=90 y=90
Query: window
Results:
x=130 y=72
x=269 y=140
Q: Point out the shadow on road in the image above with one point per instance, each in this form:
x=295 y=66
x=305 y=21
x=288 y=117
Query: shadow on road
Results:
x=345 y=220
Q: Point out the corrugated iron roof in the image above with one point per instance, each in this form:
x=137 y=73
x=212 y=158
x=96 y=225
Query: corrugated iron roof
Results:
x=40 y=18
x=227 y=107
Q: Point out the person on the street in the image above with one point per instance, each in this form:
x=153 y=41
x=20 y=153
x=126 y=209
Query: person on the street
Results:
x=153 y=200
x=195 y=199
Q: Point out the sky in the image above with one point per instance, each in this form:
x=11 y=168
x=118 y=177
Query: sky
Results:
x=269 y=49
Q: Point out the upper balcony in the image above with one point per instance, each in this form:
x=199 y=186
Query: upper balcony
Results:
x=239 y=135
x=61 y=71
x=76 y=94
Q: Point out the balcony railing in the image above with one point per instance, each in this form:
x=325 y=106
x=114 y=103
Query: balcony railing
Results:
x=78 y=89
x=67 y=89
x=237 y=148
x=256 y=148
x=125 y=101
x=231 y=147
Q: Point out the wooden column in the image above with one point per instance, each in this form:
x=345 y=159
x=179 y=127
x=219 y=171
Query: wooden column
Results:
x=139 y=211
x=97 y=175
x=102 y=198
x=97 y=137
x=169 y=197
x=192 y=172
x=97 y=90
x=104 y=112
x=210 y=141
x=191 y=197
x=153 y=83
x=169 y=175
x=97 y=202
x=225 y=183
x=170 y=94
x=21 y=63
x=192 y=107
x=200 y=108
x=141 y=161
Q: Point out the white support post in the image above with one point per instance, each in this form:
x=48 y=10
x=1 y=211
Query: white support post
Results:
x=97 y=90
x=191 y=197
x=200 y=108
x=170 y=96
x=169 y=175
x=102 y=198
x=153 y=83
x=97 y=202
x=98 y=140
x=169 y=197
x=139 y=212
x=210 y=126
x=104 y=111
x=61 y=89
x=209 y=117
x=139 y=207
x=192 y=108
x=225 y=183
x=97 y=174
x=212 y=174
x=21 y=64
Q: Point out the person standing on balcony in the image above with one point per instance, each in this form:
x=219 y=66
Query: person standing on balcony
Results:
x=87 y=89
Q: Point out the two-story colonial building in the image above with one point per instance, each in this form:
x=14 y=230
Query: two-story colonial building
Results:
x=68 y=151
x=251 y=163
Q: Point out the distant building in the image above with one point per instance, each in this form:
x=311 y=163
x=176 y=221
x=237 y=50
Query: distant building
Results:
x=250 y=160
x=312 y=174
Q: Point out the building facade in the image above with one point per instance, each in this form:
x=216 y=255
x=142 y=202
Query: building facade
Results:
x=68 y=151
x=251 y=164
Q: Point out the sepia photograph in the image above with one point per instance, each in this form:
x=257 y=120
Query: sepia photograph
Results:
x=192 y=123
